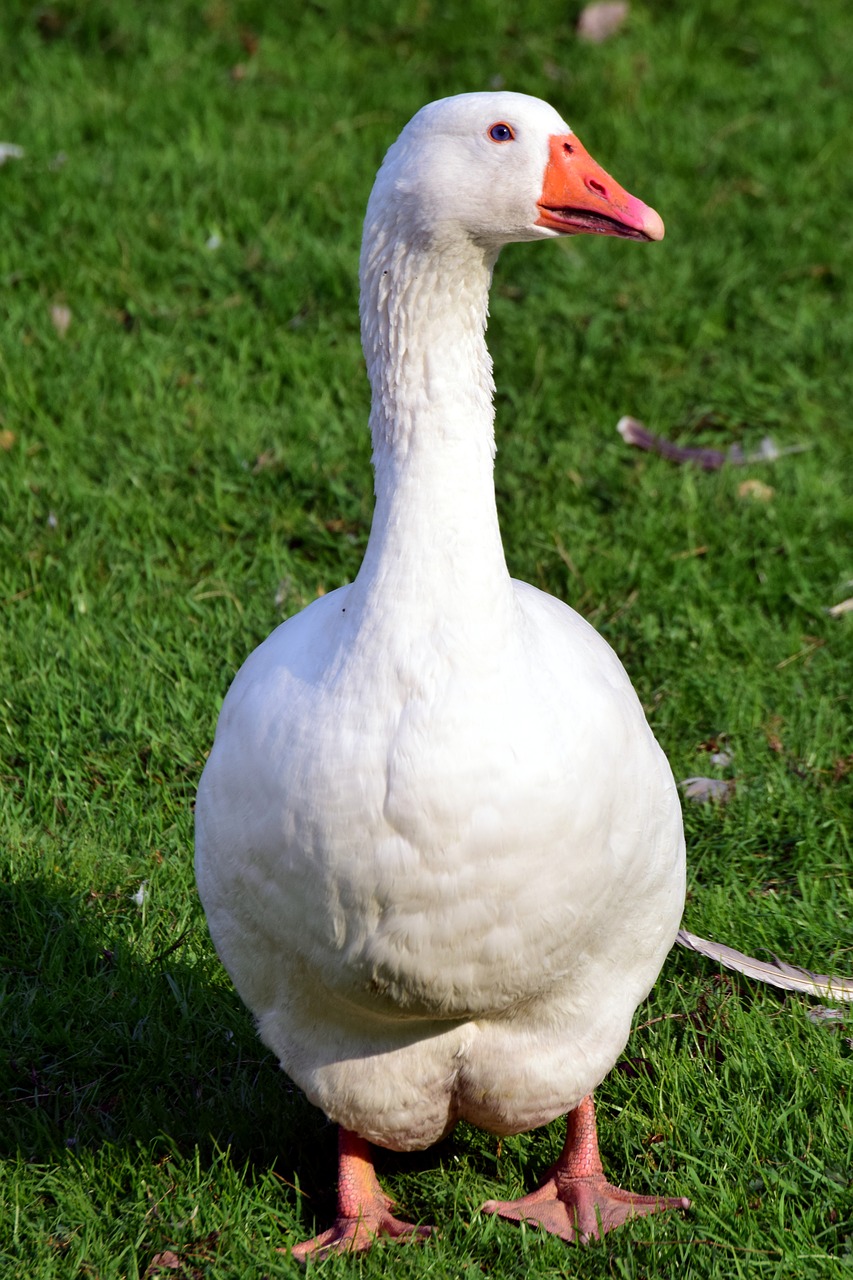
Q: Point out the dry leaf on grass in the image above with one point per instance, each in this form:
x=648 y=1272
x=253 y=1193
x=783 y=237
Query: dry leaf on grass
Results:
x=775 y=973
x=599 y=21
x=843 y=765
x=773 y=734
x=250 y=41
x=167 y=1261
x=7 y=439
x=169 y=1264
x=756 y=490
x=264 y=461
x=718 y=752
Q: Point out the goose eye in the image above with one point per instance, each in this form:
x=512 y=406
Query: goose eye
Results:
x=501 y=132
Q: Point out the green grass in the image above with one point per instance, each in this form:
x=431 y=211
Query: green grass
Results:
x=190 y=463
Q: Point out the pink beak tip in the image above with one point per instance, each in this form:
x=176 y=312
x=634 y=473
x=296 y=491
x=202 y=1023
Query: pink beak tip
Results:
x=653 y=224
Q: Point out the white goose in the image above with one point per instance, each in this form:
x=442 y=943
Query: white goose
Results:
x=440 y=852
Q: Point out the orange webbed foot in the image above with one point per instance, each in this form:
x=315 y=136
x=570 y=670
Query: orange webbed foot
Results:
x=363 y=1208
x=355 y=1235
x=581 y=1208
x=576 y=1202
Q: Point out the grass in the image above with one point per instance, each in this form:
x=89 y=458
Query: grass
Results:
x=189 y=463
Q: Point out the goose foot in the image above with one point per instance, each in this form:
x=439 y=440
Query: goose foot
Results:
x=363 y=1208
x=576 y=1202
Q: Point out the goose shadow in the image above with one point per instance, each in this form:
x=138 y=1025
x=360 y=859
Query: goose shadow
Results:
x=99 y=1047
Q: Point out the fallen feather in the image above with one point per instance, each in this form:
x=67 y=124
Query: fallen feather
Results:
x=10 y=151
x=637 y=433
x=599 y=21
x=768 y=451
x=60 y=318
x=824 y=1013
x=701 y=790
x=843 y=606
x=722 y=759
x=141 y=894
x=775 y=973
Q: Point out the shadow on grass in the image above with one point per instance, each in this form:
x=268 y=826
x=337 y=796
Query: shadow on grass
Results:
x=98 y=1047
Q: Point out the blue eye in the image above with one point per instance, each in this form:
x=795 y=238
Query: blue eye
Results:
x=501 y=132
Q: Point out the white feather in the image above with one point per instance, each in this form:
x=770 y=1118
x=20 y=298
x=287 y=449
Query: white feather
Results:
x=775 y=973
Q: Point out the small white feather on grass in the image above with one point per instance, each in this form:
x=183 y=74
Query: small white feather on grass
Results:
x=775 y=972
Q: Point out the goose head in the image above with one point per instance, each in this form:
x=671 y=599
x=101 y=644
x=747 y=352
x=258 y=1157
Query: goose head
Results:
x=493 y=168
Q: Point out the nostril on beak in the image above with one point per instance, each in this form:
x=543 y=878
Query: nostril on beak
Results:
x=597 y=187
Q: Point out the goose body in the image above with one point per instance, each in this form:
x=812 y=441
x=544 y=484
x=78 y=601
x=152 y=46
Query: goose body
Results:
x=439 y=849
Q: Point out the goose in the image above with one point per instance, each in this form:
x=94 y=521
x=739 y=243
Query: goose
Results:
x=439 y=850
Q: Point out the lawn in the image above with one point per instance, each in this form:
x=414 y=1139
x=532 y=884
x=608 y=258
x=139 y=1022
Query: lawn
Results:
x=184 y=462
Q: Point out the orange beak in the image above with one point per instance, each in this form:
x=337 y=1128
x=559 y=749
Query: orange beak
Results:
x=578 y=196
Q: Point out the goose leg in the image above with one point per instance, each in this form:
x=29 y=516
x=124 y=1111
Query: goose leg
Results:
x=363 y=1207
x=576 y=1201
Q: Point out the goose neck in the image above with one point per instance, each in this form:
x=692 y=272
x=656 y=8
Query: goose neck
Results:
x=435 y=528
